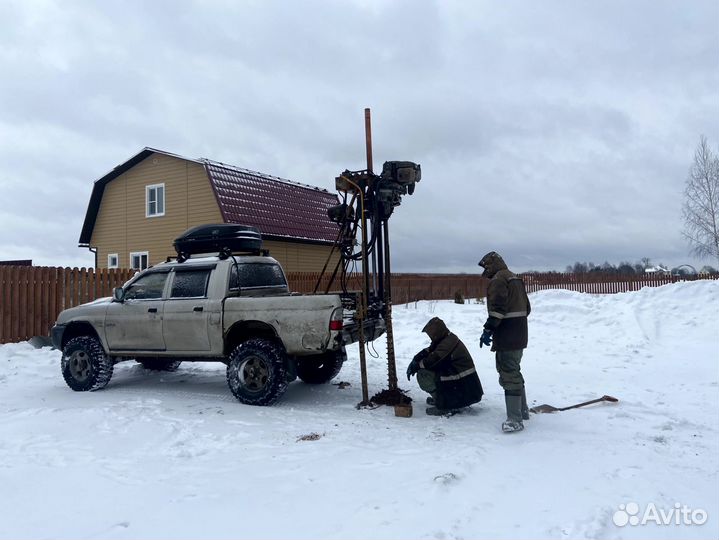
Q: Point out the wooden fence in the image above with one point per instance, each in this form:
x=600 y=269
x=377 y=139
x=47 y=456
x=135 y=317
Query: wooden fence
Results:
x=31 y=297
x=405 y=287
x=601 y=283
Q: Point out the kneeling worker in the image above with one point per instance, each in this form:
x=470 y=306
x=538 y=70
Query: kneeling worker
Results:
x=446 y=371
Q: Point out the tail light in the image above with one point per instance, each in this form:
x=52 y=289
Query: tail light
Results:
x=336 y=325
x=336 y=319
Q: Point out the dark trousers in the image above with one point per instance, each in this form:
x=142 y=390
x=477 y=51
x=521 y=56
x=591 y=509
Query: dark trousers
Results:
x=508 y=367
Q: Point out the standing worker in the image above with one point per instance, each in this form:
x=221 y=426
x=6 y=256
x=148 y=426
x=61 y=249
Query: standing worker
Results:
x=506 y=331
x=445 y=371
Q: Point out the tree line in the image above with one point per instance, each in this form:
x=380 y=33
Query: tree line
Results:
x=638 y=268
x=628 y=268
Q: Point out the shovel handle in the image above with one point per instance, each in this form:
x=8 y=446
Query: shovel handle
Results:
x=603 y=398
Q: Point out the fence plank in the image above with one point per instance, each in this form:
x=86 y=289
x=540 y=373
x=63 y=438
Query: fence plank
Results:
x=6 y=307
x=36 y=287
x=22 y=300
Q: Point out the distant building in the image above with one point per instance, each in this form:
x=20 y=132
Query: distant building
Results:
x=659 y=269
x=142 y=205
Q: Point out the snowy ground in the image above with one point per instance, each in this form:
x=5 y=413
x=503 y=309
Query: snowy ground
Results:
x=174 y=456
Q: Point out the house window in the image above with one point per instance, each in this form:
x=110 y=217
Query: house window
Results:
x=138 y=260
x=155 y=200
x=113 y=260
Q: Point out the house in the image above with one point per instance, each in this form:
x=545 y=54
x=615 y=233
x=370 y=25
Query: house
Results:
x=139 y=208
x=658 y=270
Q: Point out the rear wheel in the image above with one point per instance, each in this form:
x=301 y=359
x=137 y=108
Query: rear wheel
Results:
x=84 y=364
x=257 y=372
x=321 y=368
x=158 y=364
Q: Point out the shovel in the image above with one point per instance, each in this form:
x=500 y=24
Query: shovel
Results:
x=549 y=408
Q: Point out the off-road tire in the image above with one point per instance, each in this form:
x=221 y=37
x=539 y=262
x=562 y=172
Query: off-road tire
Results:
x=257 y=372
x=158 y=364
x=321 y=368
x=84 y=364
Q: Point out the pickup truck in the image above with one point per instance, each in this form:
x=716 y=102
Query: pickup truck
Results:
x=235 y=310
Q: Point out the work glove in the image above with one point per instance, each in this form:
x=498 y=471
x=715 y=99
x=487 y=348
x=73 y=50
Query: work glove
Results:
x=486 y=338
x=414 y=364
x=412 y=368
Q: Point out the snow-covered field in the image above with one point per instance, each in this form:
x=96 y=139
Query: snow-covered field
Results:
x=175 y=456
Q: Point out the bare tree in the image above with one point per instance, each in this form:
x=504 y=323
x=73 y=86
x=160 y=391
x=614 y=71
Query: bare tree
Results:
x=701 y=203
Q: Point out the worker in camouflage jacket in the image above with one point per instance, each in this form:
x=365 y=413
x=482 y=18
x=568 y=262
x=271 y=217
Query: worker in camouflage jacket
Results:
x=506 y=331
x=446 y=371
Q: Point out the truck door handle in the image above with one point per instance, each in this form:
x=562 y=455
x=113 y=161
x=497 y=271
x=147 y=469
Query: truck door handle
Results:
x=197 y=308
x=152 y=310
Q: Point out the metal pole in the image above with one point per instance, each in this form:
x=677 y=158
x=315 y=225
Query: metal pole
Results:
x=365 y=261
x=365 y=298
x=368 y=137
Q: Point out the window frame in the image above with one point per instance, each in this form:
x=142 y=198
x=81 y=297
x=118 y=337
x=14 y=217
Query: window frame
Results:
x=140 y=254
x=147 y=200
x=239 y=288
x=117 y=260
x=144 y=275
x=175 y=272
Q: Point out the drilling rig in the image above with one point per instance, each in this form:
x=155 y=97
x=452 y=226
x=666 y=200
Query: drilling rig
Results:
x=368 y=201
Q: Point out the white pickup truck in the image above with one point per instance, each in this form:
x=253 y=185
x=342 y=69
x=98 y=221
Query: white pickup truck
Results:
x=236 y=310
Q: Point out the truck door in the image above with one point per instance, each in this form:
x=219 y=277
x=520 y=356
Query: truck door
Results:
x=136 y=323
x=187 y=311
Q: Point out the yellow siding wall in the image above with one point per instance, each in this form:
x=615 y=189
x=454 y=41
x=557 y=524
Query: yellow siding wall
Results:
x=301 y=257
x=121 y=226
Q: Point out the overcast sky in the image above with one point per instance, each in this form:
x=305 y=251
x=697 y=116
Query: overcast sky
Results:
x=548 y=131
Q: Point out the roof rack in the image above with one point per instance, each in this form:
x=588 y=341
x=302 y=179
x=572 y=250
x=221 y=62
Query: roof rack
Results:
x=222 y=254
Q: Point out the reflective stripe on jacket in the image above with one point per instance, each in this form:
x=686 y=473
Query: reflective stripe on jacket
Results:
x=508 y=307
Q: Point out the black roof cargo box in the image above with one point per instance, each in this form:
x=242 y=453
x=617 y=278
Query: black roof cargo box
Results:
x=224 y=238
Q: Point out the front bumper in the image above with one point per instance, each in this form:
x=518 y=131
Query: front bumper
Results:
x=56 y=335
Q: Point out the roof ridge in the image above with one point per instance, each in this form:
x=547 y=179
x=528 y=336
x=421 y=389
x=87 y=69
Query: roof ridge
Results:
x=264 y=175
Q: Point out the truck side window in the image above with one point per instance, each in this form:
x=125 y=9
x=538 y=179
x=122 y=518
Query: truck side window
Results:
x=249 y=275
x=148 y=287
x=190 y=284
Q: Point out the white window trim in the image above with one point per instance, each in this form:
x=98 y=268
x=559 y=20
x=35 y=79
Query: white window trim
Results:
x=147 y=200
x=140 y=254
x=117 y=258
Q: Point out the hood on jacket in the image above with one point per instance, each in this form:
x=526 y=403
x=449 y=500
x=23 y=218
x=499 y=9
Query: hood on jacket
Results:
x=492 y=263
x=435 y=329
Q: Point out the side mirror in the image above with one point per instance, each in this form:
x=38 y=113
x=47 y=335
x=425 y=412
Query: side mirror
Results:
x=118 y=294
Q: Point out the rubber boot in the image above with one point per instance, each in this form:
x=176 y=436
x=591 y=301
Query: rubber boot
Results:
x=514 y=414
x=525 y=409
x=436 y=411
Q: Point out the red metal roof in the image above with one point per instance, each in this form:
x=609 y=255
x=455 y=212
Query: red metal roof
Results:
x=278 y=207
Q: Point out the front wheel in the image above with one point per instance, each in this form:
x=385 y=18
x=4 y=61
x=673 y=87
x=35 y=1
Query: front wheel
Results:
x=321 y=368
x=257 y=372
x=84 y=364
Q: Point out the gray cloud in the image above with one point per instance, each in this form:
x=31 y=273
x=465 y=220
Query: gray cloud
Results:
x=552 y=132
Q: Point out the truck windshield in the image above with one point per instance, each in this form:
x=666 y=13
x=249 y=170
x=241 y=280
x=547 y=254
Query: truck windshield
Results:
x=251 y=275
